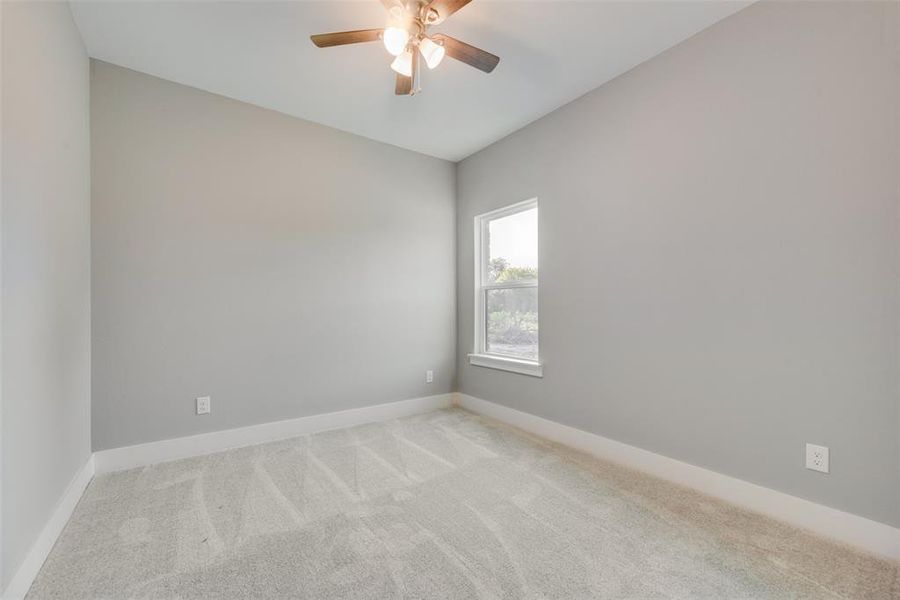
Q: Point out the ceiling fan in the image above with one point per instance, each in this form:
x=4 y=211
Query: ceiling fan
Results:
x=405 y=38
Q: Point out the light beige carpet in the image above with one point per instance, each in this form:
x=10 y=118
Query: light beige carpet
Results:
x=443 y=505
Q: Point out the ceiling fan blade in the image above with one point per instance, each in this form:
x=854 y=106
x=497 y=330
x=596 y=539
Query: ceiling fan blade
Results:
x=340 y=38
x=403 y=86
x=463 y=52
x=445 y=8
x=406 y=86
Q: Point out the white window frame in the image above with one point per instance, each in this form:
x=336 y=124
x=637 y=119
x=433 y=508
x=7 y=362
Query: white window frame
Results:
x=480 y=357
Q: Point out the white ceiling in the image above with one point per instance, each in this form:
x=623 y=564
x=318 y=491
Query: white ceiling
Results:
x=259 y=52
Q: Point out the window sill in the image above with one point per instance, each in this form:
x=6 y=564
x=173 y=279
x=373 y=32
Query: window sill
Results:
x=503 y=363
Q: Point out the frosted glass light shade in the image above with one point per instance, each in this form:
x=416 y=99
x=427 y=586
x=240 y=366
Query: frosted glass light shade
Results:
x=395 y=40
x=432 y=53
x=403 y=64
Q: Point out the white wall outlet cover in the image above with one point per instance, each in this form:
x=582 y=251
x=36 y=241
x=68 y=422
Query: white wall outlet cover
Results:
x=429 y=376
x=203 y=405
x=817 y=458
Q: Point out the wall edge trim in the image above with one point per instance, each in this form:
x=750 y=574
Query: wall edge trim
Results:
x=139 y=455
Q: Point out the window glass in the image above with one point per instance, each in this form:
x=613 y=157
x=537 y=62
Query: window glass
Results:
x=512 y=322
x=512 y=247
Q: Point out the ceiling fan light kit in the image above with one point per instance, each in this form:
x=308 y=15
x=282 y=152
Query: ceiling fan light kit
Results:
x=405 y=38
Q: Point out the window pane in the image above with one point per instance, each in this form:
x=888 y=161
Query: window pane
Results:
x=512 y=322
x=513 y=247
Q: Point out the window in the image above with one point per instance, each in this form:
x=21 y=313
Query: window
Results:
x=506 y=289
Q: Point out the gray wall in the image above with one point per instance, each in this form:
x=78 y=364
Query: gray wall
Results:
x=284 y=268
x=45 y=268
x=719 y=253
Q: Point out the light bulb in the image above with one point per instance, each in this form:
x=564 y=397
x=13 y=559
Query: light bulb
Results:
x=395 y=39
x=403 y=64
x=432 y=53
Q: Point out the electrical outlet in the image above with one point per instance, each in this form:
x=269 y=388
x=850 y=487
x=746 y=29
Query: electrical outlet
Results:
x=429 y=376
x=817 y=458
x=203 y=405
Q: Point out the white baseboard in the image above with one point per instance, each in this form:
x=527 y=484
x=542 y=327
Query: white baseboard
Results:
x=863 y=533
x=34 y=560
x=140 y=455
